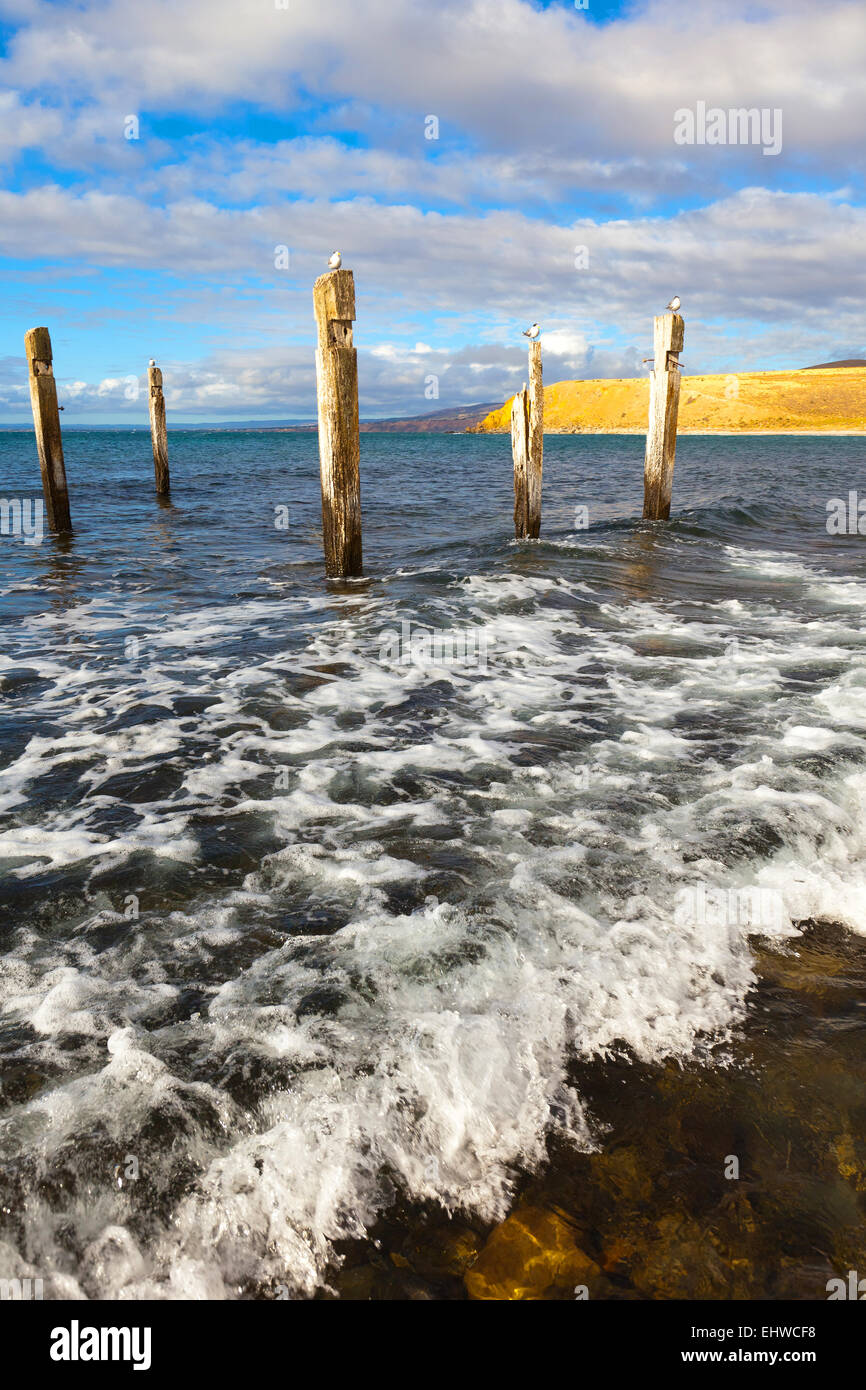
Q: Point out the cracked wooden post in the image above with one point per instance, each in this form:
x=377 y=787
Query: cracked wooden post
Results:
x=46 y=420
x=339 y=437
x=661 y=439
x=527 y=448
x=536 y=442
x=157 y=429
x=520 y=455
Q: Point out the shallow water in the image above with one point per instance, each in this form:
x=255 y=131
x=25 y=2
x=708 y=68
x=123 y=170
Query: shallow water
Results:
x=303 y=936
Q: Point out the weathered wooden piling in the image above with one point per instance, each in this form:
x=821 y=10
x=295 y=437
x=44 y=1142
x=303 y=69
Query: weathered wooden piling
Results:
x=527 y=448
x=661 y=439
x=46 y=421
x=520 y=456
x=339 y=436
x=157 y=429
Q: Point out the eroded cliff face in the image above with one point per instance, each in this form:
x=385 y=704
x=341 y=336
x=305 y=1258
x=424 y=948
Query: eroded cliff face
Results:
x=828 y=399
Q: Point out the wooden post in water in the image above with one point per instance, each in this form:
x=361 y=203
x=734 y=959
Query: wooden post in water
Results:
x=46 y=420
x=536 y=442
x=339 y=437
x=661 y=439
x=527 y=448
x=520 y=455
x=157 y=429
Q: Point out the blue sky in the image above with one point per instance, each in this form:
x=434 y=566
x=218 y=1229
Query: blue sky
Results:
x=258 y=127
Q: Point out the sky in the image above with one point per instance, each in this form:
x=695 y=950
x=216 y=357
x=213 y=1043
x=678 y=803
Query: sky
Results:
x=175 y=176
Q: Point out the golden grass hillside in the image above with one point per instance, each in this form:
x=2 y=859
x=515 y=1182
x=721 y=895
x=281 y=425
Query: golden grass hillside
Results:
x=831 y=399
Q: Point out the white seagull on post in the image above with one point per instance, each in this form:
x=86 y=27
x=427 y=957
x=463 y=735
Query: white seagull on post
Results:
x=674 y=304
x=532 y=332
x=152 y=362
x=335 y=261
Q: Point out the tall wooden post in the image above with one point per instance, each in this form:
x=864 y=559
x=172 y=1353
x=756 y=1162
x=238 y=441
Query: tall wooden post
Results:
x=536 y=442
x=339 y=437
x=520 y=455
x=661 y=440
x=157 y=429
x=527 y=449
x=46 y=420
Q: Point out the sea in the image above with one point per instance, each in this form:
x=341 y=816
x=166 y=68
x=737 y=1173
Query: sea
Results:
x=337 y=917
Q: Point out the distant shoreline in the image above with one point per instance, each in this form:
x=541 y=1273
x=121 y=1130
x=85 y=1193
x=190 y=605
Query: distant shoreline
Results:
x=827 y=400
x=452 y=434
x=682 y=432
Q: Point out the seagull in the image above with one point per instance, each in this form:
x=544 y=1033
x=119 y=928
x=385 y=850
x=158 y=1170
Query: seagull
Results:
x=335 y=261
x=152 y=362
x=532 y=332
x=674 y=304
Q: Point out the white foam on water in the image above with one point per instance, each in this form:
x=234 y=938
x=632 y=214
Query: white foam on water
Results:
x=501 y=850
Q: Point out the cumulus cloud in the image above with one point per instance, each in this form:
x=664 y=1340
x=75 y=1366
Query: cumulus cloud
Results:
x=280 y=383
x=544 y=118
x=751 y=255
x=589 y=91
x=242 y=172
x=756 y=259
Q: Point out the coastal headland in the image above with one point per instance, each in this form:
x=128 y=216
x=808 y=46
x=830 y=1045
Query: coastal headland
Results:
x=819 y=400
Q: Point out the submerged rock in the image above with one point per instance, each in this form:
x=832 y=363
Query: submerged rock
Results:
x=682 y=1262
x=443 y=1252
x=532 y=1255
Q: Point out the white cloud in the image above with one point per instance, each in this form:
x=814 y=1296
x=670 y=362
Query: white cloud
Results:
x=536 y=107
x=512 y=77
x=753 y=255
x=759 y=274
x=240 y=172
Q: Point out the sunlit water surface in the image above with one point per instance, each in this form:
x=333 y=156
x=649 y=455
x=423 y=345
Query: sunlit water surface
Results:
x=310 y=948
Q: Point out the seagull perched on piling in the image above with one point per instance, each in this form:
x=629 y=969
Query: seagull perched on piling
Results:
x=674 y=304
x=335 y=261
x=152 y=362
x=532 y=332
